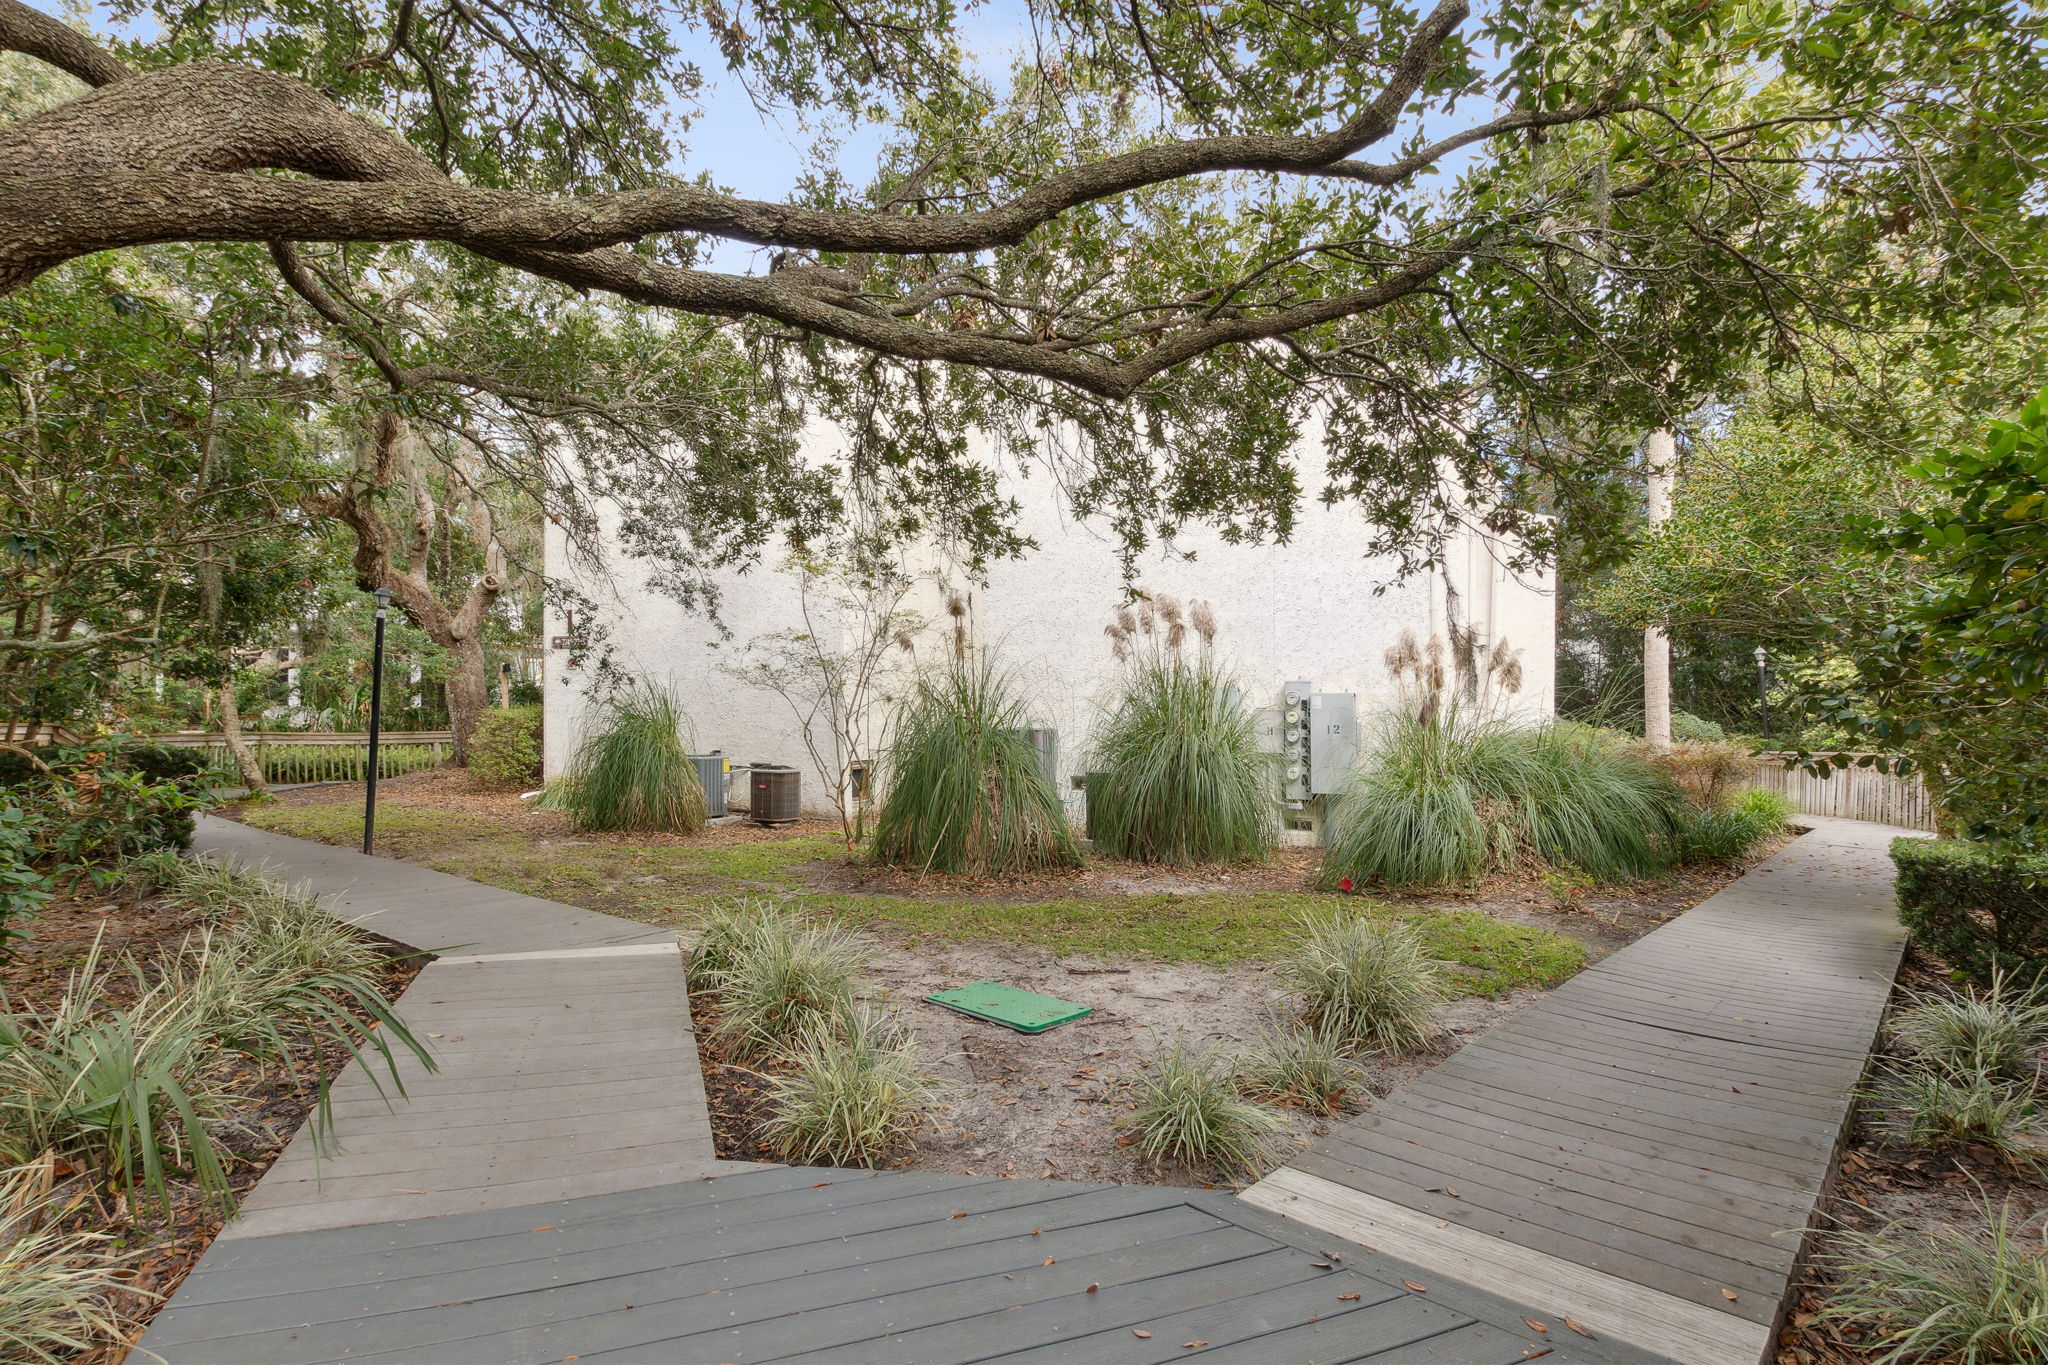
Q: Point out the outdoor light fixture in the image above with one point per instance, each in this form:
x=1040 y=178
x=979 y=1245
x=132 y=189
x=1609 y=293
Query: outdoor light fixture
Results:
x=383 y=596
x=1763 y=689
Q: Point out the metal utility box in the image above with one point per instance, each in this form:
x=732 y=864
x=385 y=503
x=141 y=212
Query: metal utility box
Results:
x=1332 y=740
x=1045 y=743
x=714 y=774
x=776 y=793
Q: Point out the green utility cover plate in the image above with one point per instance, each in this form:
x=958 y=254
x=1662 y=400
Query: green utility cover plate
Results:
x=1024 y=1011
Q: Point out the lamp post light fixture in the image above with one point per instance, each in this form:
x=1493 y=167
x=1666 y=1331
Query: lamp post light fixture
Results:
x=383 y=596
x=1763 y=689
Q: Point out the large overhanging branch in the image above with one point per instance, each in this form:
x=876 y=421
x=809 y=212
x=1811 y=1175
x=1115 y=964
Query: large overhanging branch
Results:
x=217 y=152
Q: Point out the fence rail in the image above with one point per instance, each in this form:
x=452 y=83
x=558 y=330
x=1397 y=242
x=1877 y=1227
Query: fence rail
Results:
x=324 y=756
x=1853 y=793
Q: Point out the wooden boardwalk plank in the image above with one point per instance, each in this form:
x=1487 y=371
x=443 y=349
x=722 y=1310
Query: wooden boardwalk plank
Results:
x=1663 y=1120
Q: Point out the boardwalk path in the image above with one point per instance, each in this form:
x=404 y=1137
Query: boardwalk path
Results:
x=551 y=1192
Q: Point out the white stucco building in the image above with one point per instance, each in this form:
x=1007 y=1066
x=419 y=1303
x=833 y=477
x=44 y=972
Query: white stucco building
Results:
x=1306 y=611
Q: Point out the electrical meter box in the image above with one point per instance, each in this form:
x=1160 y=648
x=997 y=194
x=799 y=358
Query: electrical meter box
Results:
x=1332 y=725
x=1294 y=740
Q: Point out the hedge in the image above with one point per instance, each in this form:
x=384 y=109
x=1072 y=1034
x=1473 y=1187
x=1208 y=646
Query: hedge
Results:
x=506 y=747
x=1981 y=909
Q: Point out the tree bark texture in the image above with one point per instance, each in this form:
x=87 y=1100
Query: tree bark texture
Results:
x=1660 y=469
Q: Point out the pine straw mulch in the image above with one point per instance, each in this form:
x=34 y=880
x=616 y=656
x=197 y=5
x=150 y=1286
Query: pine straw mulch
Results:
x=267 y=1111
x=1878 y=1184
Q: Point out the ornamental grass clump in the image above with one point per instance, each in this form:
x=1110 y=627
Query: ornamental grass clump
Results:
x=1945 y=1293
x=1450 y=796
x=1186 y=1107
x=966 y=793
x=1735 y=828
x=56 y=1288
x=1181 y=778
x=1938 y=1109
x=632 y=771
x=852 y=1095
x=1309 y=1068
x=1370 y=986
x=2000 y=1030
x=783 y=978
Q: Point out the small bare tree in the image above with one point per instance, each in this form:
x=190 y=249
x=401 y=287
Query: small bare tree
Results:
x=835 y=669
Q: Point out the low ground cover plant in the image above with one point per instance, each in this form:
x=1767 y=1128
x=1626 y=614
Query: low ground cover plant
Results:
x=855 y=1090
x=633 y=771
x=966 y=793
x=1448 y=798
x=1983 y=908
x=1371 y=986
x=1180 y=776
x=1946 y=1293
x=1309 y=1068
x=846 y=1086
x=1968 y=1075
x=1186 y=1107
x=56 y=1286
x=127 y=1091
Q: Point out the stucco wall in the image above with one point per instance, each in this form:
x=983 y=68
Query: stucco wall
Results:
x=1304 y=609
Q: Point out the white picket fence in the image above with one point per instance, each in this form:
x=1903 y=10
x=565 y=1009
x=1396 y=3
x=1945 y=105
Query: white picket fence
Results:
x=1853 y=793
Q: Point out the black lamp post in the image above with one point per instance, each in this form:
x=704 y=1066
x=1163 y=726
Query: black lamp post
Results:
x=1763 y=689
x=383 y=596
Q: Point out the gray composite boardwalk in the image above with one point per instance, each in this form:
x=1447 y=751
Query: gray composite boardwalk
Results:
x=1646 y=1144
x=550 y=1191
x=850 y=1268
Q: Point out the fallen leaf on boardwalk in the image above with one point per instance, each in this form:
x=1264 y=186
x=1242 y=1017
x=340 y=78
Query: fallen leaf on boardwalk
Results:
x=1091 y=1289
x=1730 y=1295
x=1414 y=1286
x=548 y=1228
x=1140 y=1332
x=1536 y=1355
x=1322 y=1265
x=960 y=1215
x=1037 y=1231
x=1191 y=1345
x=1576 y=1328
x=1046 y=1261
x=1347 y=1298
x=1536 y=1326
x=1452 y=1191
x=821 y=1184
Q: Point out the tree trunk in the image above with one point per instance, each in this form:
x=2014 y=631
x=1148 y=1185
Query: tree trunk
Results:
x=231 y=728
x=1660 y=474
x=400 y=557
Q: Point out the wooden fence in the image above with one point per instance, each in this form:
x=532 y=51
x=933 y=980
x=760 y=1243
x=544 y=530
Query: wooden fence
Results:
x=1853 y=793
x=309 y=756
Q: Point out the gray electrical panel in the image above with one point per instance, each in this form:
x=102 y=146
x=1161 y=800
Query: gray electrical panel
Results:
x=1332 y=740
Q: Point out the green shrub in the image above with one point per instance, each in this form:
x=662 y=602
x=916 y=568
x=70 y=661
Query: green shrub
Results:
x=24 y=888
x=1751 y=818
x=1186 y=1108
x=56 y=1287
x=632 y=772
x=1998 y=1031
x=1369 y=986
x=966 y=793
x=1182 y=778
x=1446 y=800
x=1982 y=909
x=1687 y=728
x=852 y=1094
x=783 y=979
x=1305 y=1067
x=506 y=748
x=1945 y=1293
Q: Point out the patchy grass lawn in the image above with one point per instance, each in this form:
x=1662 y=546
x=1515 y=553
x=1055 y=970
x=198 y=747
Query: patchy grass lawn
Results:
x=674 y=882
x=1219 y=927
